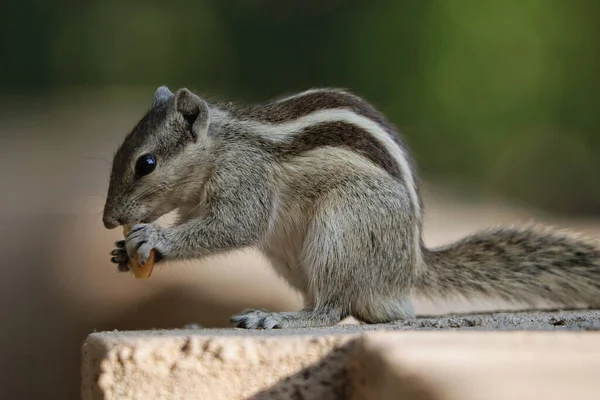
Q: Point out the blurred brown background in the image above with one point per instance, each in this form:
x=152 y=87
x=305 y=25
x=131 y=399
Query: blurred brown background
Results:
x=497 y=100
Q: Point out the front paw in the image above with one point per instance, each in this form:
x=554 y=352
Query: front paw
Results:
x=120 y=257
x=145 y=237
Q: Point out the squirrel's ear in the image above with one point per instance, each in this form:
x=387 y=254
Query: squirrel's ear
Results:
x=162 y=95
x=193 y=109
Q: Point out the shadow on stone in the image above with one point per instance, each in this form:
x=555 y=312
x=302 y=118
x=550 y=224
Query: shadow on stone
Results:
x=327 y=379
x=350 y=373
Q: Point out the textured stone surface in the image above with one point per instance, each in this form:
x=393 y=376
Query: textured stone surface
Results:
x=214 y=364
x=353 y=361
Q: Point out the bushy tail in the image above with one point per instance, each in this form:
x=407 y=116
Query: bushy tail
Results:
x=524 y=265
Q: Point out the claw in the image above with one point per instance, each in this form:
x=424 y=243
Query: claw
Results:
x=123 y=267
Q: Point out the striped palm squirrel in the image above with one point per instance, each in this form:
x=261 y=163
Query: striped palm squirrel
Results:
x=323 y=185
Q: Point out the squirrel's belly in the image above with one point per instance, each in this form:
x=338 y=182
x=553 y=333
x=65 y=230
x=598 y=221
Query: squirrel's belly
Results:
x=282 y=244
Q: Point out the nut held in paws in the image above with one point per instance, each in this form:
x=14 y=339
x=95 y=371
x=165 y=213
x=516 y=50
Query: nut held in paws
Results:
x=140 y=271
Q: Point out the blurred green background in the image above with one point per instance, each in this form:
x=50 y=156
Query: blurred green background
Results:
x=500 y=96
x=497 y=99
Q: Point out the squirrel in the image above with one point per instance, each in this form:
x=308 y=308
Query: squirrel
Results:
x=324 y=186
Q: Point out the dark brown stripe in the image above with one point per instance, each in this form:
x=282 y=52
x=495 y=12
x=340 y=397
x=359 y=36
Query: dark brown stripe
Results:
x=294 y=108
x=338 y=134
x=297 y=107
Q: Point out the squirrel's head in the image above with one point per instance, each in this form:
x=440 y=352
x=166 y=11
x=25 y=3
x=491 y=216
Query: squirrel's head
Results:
x=151 y=170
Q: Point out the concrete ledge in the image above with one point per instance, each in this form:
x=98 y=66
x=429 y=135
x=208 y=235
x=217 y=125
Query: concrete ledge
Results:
x=354 y=361
x=213 y=364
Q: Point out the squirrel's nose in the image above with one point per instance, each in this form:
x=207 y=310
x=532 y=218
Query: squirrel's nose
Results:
x=110 y=222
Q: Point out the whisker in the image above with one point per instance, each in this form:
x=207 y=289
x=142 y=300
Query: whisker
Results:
x=97 y=158
x=145 y=194
x=197 y=206
x=151 y=191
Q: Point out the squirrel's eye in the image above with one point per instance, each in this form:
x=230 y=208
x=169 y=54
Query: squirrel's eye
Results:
x=145 y=165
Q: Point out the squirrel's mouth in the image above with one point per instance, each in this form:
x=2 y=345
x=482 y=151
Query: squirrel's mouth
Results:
x=150 y=218
x=147 y=220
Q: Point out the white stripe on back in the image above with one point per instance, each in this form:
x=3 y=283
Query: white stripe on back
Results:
x=283 y=131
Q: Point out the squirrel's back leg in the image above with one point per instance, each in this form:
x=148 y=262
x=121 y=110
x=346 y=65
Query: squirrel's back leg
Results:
x=359 y=254
x=357 y=258
x=360 y=251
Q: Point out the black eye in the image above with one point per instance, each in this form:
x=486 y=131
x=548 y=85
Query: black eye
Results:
x=145 y=165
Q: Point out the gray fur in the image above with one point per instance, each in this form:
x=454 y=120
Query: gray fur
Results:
x=329 y=202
